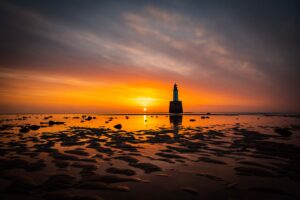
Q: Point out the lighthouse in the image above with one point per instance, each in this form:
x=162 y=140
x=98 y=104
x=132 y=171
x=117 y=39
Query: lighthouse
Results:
x=175 y=93
x=175 y=105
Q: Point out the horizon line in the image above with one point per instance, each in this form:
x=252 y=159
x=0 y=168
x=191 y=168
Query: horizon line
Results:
x=163 y=113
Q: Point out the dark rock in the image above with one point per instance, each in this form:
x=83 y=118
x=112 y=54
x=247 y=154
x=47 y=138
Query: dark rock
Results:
x=114 y=170
x=24 y=130
x=283 y=132
x=89 y=118
x=55 y=123
x=118 y=126
x=34 y=127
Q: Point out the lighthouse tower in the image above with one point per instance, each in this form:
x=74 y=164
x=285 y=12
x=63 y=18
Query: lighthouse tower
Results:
x=175 y=105
x=175 y=93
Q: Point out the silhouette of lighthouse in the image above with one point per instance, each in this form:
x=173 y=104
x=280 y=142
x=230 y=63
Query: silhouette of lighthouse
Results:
x=175 y=105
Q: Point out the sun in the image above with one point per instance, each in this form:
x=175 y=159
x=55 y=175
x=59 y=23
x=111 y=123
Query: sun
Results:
x=145 y=109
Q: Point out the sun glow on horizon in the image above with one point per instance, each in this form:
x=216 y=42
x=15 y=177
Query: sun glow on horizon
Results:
x=43 y=93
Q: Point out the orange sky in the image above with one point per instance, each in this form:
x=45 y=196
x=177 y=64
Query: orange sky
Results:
x=31 y=92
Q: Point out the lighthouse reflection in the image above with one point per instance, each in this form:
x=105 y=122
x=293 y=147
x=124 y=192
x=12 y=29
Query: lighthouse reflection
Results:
x=176 y=121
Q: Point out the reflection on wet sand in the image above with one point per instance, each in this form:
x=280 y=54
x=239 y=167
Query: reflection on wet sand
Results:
x=149 y=156
x=176 y=121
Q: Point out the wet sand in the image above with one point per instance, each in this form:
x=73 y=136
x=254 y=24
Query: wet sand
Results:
x=76 y=156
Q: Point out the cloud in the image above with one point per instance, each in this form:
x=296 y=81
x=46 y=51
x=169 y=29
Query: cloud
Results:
x=207 y=46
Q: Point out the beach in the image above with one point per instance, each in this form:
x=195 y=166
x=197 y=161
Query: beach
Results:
x=150 y=156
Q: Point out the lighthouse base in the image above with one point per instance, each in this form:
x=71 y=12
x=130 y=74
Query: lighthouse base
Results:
x=175 y=107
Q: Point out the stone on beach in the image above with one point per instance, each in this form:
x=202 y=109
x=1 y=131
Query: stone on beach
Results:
x=89 y=118
x=118 y=126
x=24 y=130
x=55 y=123
x=34 y=127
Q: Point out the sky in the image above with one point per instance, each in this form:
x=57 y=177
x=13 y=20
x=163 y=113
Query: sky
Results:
x=124 y=56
